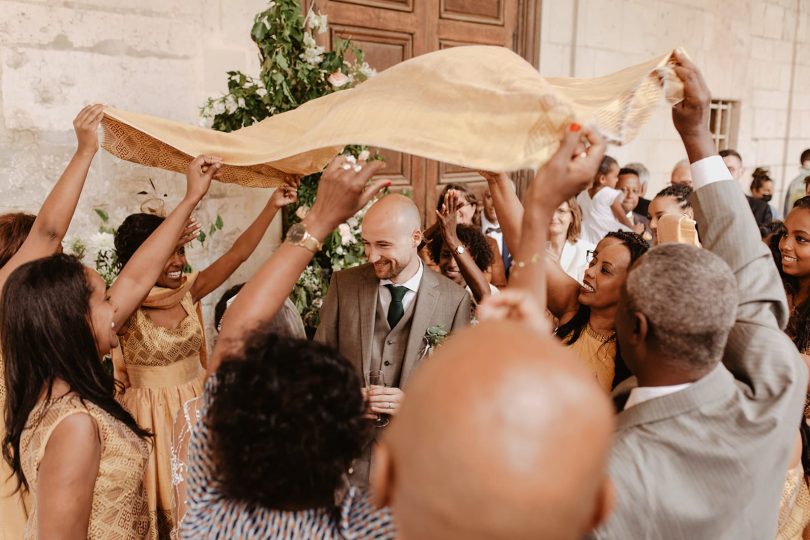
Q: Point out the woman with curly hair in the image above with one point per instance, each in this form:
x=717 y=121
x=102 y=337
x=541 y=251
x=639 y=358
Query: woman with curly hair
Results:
x=163 y=347
x=23 y=238
x=462 y=251
x=283 y=419
x=68 y=441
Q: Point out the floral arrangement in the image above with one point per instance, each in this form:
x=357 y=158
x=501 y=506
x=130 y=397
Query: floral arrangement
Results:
x=434 y=336
x=295 y=69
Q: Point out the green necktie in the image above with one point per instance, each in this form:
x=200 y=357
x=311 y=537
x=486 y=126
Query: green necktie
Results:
x=396 y=310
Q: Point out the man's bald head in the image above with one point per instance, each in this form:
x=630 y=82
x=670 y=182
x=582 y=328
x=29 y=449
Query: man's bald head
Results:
x=391 y=235
x=681 y=174
x=503 y=434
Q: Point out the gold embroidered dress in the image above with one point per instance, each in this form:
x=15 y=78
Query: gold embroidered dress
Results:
x=119 y=508
x=165 y=370
x=13 y=505
x=598 y=352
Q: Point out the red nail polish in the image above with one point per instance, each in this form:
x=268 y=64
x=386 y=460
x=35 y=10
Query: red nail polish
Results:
x=574 y=127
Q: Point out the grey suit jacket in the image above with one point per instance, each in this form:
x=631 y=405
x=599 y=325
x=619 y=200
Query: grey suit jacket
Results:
x=709 y=462
x=348 y=313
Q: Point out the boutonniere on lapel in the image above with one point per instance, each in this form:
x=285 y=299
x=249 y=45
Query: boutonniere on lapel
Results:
x=434 y=336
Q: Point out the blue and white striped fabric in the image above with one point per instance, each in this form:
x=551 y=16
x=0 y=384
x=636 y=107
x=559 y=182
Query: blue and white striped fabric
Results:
x=209 y=515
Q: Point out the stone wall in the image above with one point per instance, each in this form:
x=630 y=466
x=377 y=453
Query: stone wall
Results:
x=756 y=52
x=160 y=57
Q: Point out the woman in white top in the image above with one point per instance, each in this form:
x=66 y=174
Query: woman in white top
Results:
x=601 y=205
x=564 y=242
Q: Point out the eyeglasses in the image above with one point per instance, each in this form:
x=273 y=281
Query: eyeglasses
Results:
x=589 y=256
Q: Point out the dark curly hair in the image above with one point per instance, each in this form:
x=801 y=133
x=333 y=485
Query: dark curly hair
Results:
x=14 y=229
x=286 y=422
x=133 y=232
x=569 y=332
x=473 y=239
x=681 y=193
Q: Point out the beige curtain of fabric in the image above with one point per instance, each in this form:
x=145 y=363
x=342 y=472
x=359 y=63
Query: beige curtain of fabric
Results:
x=478 y=106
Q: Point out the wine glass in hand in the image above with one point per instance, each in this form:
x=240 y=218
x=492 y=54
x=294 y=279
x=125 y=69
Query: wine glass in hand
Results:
x=376 y=377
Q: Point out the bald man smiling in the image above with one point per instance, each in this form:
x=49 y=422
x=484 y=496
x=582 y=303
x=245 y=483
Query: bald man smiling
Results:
x=377 y=314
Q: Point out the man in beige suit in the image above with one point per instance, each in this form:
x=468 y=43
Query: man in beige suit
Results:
x=377 y=314
x=704 y=438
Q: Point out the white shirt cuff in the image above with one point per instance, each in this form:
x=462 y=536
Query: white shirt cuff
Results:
x=708 y=170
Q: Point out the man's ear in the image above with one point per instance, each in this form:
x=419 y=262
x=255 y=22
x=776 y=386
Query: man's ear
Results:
x=641 y=328
x=382 y=475
x=417 y=237
x=605 y=501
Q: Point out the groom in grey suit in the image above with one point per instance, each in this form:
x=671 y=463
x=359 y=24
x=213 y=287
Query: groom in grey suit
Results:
x=377 y=314
x=705 y=434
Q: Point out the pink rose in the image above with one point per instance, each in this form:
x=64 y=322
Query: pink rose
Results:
x=338 y=79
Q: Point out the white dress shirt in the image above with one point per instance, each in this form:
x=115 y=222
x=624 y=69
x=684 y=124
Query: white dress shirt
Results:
x=708 y=170
x=646 y=393
x=413 y=287
x=498 y=236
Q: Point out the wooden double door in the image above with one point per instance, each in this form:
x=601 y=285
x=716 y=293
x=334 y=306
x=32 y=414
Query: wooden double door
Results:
x=391 y=31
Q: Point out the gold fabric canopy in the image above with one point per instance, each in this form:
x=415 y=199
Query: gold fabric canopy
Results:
x=480 y=107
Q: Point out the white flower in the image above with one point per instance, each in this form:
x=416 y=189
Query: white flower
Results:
x=339 y=250
x=338 y=79
x=219 y=107
x=241 y=102
x=230 y=104
x=364 y=155
x=313 y=56
x=309 y=41
x=261 y=91
x=346 y=236
x=353 y=223
x=316 y=22
x=366 y=70
x=302 y=212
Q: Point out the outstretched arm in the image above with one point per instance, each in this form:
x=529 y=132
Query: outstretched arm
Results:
x=141 y=272
x=221 y=269
x=448 y=221
x=54 y=216
x=341 y=193
x=566 y=174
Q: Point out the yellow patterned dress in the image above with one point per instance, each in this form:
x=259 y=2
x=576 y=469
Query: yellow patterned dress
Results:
x=165 y=371
x=598 y=352
x=119 y=502
x=13 y=505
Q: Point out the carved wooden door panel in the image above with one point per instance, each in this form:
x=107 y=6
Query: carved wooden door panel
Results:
x=390 y=31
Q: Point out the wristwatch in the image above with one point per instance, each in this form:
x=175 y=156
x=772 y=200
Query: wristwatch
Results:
x=459 y=249
x=298 y=235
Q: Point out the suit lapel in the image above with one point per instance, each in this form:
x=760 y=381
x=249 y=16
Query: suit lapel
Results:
x=426 y=300
x=367 y=302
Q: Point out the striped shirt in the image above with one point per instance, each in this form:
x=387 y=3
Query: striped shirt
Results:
x=209 y=515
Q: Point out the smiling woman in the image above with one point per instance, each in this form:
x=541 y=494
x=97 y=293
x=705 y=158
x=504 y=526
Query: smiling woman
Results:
x=163 y=349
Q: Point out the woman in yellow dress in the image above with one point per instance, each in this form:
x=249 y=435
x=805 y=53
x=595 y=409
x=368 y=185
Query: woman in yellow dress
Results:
x=68 y=441
x=163 y=344
x=24 y=238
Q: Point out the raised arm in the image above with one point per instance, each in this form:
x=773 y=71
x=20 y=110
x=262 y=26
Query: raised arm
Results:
x=221 y=269
x=758 y=353
x=534 y=274
x=619 y=213
x=507 y=206
x=565 y=175
x=341 y=193
x=141 y=272
x=448 y=221
x=53 y=218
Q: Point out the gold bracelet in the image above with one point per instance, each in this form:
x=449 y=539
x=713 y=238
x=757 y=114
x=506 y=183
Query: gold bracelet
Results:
x=533 y=260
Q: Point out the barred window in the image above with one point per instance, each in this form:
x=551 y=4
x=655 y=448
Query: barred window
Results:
x=723 y=123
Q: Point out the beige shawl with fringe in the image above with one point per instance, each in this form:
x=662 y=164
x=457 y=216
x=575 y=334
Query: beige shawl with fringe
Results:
x=481 y=107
